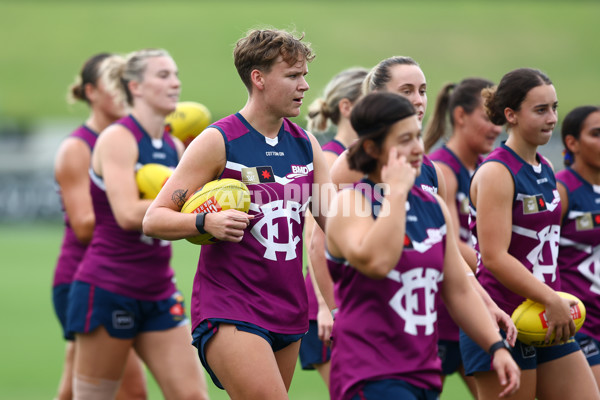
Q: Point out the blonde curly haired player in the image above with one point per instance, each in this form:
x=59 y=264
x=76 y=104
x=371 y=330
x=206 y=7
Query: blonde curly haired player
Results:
x=124 y=290
x=71 y=173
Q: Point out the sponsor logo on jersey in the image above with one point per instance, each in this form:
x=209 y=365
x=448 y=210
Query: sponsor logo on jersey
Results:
x=429 y=188
x=534 y=204
x=584 y=222
x=256 y=175
x=275 y=154
x=298 y=171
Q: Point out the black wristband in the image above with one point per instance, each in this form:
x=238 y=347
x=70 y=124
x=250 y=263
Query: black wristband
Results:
x=501 y=344
x=200 y=222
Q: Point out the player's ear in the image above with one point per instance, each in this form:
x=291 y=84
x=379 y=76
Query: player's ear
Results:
x=371 y=148
x=258 y=79
x=510 y=115
x=345 y=107
x=572 y=144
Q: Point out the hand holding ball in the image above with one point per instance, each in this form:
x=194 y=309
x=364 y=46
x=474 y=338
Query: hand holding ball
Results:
x=530 y=319
x=215 y=196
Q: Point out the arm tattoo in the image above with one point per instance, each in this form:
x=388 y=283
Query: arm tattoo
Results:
x=179 y=196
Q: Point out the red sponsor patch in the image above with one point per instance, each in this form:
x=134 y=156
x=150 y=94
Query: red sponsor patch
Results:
x=209 y=205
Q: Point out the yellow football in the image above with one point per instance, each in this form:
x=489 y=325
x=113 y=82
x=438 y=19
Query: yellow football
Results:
x=150 y=178
x=215 y=196
x=187 y=121
x=530 y=319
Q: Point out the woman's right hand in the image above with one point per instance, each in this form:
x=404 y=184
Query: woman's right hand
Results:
x=228 y=225
x=558 y=316
x=397 y=172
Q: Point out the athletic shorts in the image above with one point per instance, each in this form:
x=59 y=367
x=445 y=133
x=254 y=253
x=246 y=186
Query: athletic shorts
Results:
x=394 y=389
x=123 y=317
x=60 y=300
x=590 y=348
x=449 y=353
x=312 y=349
x=475 y=359
x=209 y=327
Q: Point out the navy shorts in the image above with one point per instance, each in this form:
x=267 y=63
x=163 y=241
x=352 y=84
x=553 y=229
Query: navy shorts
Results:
x=312 y=349
x=60 y=300
x=122 y=316
x=209 y=327
x=394 y=389
x=590 y=348
x=449 y=353
x=475 y=359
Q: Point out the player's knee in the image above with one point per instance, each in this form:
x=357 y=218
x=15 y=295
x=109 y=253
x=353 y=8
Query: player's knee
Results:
x=132 y=392
x=86 y=388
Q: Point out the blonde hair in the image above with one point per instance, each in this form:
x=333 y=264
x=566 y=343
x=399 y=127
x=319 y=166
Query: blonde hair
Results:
x=325 y=111
x=131 y=68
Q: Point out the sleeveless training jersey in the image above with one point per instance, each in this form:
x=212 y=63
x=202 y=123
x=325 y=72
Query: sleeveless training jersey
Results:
x=260 y=279
x=387 y=329
x=129 y=263
x=337 y=148
x=427 y=179
x=535 y=225
x=579 y=250
x=447 y=326
x=72 y=250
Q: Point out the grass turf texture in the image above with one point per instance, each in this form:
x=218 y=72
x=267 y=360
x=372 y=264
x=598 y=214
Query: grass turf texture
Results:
x=46 y=43
x=31 y=345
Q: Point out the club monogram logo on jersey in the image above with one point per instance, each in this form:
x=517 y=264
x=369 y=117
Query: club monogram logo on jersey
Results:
x=548 y=238
x=590 y=269
x=278 y=216
x=415 y=301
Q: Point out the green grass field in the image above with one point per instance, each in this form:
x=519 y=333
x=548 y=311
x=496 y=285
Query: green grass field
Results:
x=45 y=43
x=31 y=346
